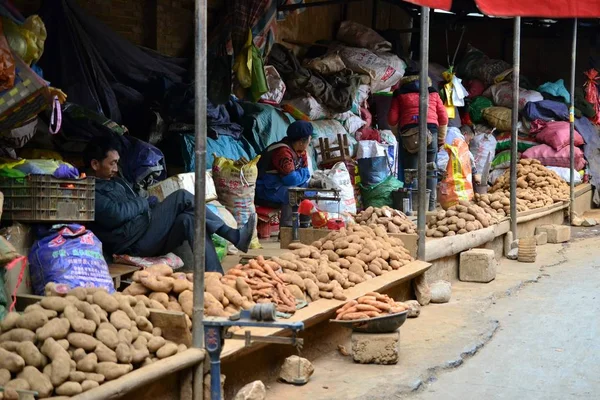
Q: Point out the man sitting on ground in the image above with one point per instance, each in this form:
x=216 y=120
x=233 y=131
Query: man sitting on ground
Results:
x=127 y=223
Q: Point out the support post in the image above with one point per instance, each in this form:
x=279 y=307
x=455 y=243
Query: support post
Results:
x=423 y=106
x=375 y=11
x=515 y=120
x=200 y=190
x=572 y=125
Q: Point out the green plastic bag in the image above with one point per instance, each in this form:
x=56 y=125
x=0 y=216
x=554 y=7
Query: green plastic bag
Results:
x=259 y=84
x=220 y=246
x=380 y=195
x=476 y=108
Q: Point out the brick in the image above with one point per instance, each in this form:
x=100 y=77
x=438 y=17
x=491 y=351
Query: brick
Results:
x=376 y=348
x=541 y=238
x=477 y=265
x=555 y=233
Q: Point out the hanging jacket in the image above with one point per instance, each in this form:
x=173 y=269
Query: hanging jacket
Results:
x=122 y=217
x=405 y=107
x=280 y=167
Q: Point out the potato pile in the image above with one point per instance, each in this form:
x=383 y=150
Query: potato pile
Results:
x=370 y=305
x=537 y=187
x=165 y=289
x=392 y=220
x=64 y=346
x=339 y=261
x=459 y=219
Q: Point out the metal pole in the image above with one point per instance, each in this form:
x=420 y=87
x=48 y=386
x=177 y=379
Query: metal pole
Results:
x=572 y=125
x=200 y=190
x=515 y=120
x=423 y=106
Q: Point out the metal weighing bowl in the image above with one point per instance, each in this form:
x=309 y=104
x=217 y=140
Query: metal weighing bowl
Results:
x=384 y=324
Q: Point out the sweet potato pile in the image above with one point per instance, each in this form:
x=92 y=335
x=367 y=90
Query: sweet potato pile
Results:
x=370 y=305
x=75 y=340
x=340 y=260
x=537 y=187
x=392 y=220
x=459 y=219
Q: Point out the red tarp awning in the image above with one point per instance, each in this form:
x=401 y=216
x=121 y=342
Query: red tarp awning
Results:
x=527 y=8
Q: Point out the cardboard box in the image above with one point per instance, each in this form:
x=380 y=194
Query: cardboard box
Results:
x=309 y=235
x=185 y=181
x=21 y=237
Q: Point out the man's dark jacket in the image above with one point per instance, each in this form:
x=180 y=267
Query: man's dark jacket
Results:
x=122 y=217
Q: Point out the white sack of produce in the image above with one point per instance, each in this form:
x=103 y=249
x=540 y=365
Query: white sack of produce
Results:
x=482 y=146
x=565 y=173
x=310 y=107
x=501 y=95
x=358 y=35
x=350 y=121
x=327 y=65
x=275 y=84
x=235 y=182
x=330 y=129
x=185 y=181
x=363 y=61
x=337 y=177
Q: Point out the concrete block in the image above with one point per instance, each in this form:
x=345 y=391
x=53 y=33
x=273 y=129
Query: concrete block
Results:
x=589 y=222
x=376 y=348
x=541 y=238
x=477 y=265
x=555 y=233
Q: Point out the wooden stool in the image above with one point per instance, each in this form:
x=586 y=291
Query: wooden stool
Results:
x=328 y=151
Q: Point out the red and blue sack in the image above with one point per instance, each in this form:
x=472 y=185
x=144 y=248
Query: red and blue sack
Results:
x=69 y=255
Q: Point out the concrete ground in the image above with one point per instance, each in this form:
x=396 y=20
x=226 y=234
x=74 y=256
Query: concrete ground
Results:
x=531 y=333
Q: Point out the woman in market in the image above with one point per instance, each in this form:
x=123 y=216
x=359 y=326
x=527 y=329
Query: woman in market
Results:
x=404 y=112
x=283 y=165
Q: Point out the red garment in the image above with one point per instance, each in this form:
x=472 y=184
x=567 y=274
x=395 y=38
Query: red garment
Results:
x=405 y=110
x=283 y=160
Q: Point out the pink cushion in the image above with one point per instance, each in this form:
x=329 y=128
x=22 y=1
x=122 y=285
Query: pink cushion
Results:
x=552 y=158
x=556 y=134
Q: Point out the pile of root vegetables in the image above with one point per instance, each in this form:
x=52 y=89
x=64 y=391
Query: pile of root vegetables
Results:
x=459 y=219
x=371 y=305
x=392 y=220
x=341 y=260
x=537 y=187
x=63 y=346
x=306 y=273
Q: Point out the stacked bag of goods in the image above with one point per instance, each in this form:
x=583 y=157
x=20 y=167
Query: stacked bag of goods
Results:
x=75 y=340
x=544 y=128
x=537 y=187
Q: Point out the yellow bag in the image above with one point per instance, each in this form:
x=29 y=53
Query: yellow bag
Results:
x=498 y=117
x=235 y=182
x=457 y=184
x=243 y=63
x=27 y=41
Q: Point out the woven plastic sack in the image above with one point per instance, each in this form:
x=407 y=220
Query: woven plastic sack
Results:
x=276 y=86
x=355 y=34
x=482 y=146
x=524 y=142
x=476 y=108
x=557 y=134
x=362 y=61
x=308 y=106
x=457 y=184
x=502 y=95
x=552 y=158
x=591 y=92
x=236 y=185
x=502 y=160
x=380 y=195
x=329 y=64
x=499 y=117
x=70 y=255
x=337 y=177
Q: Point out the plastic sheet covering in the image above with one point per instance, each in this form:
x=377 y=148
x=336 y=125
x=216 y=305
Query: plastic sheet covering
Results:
x=96 y=67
